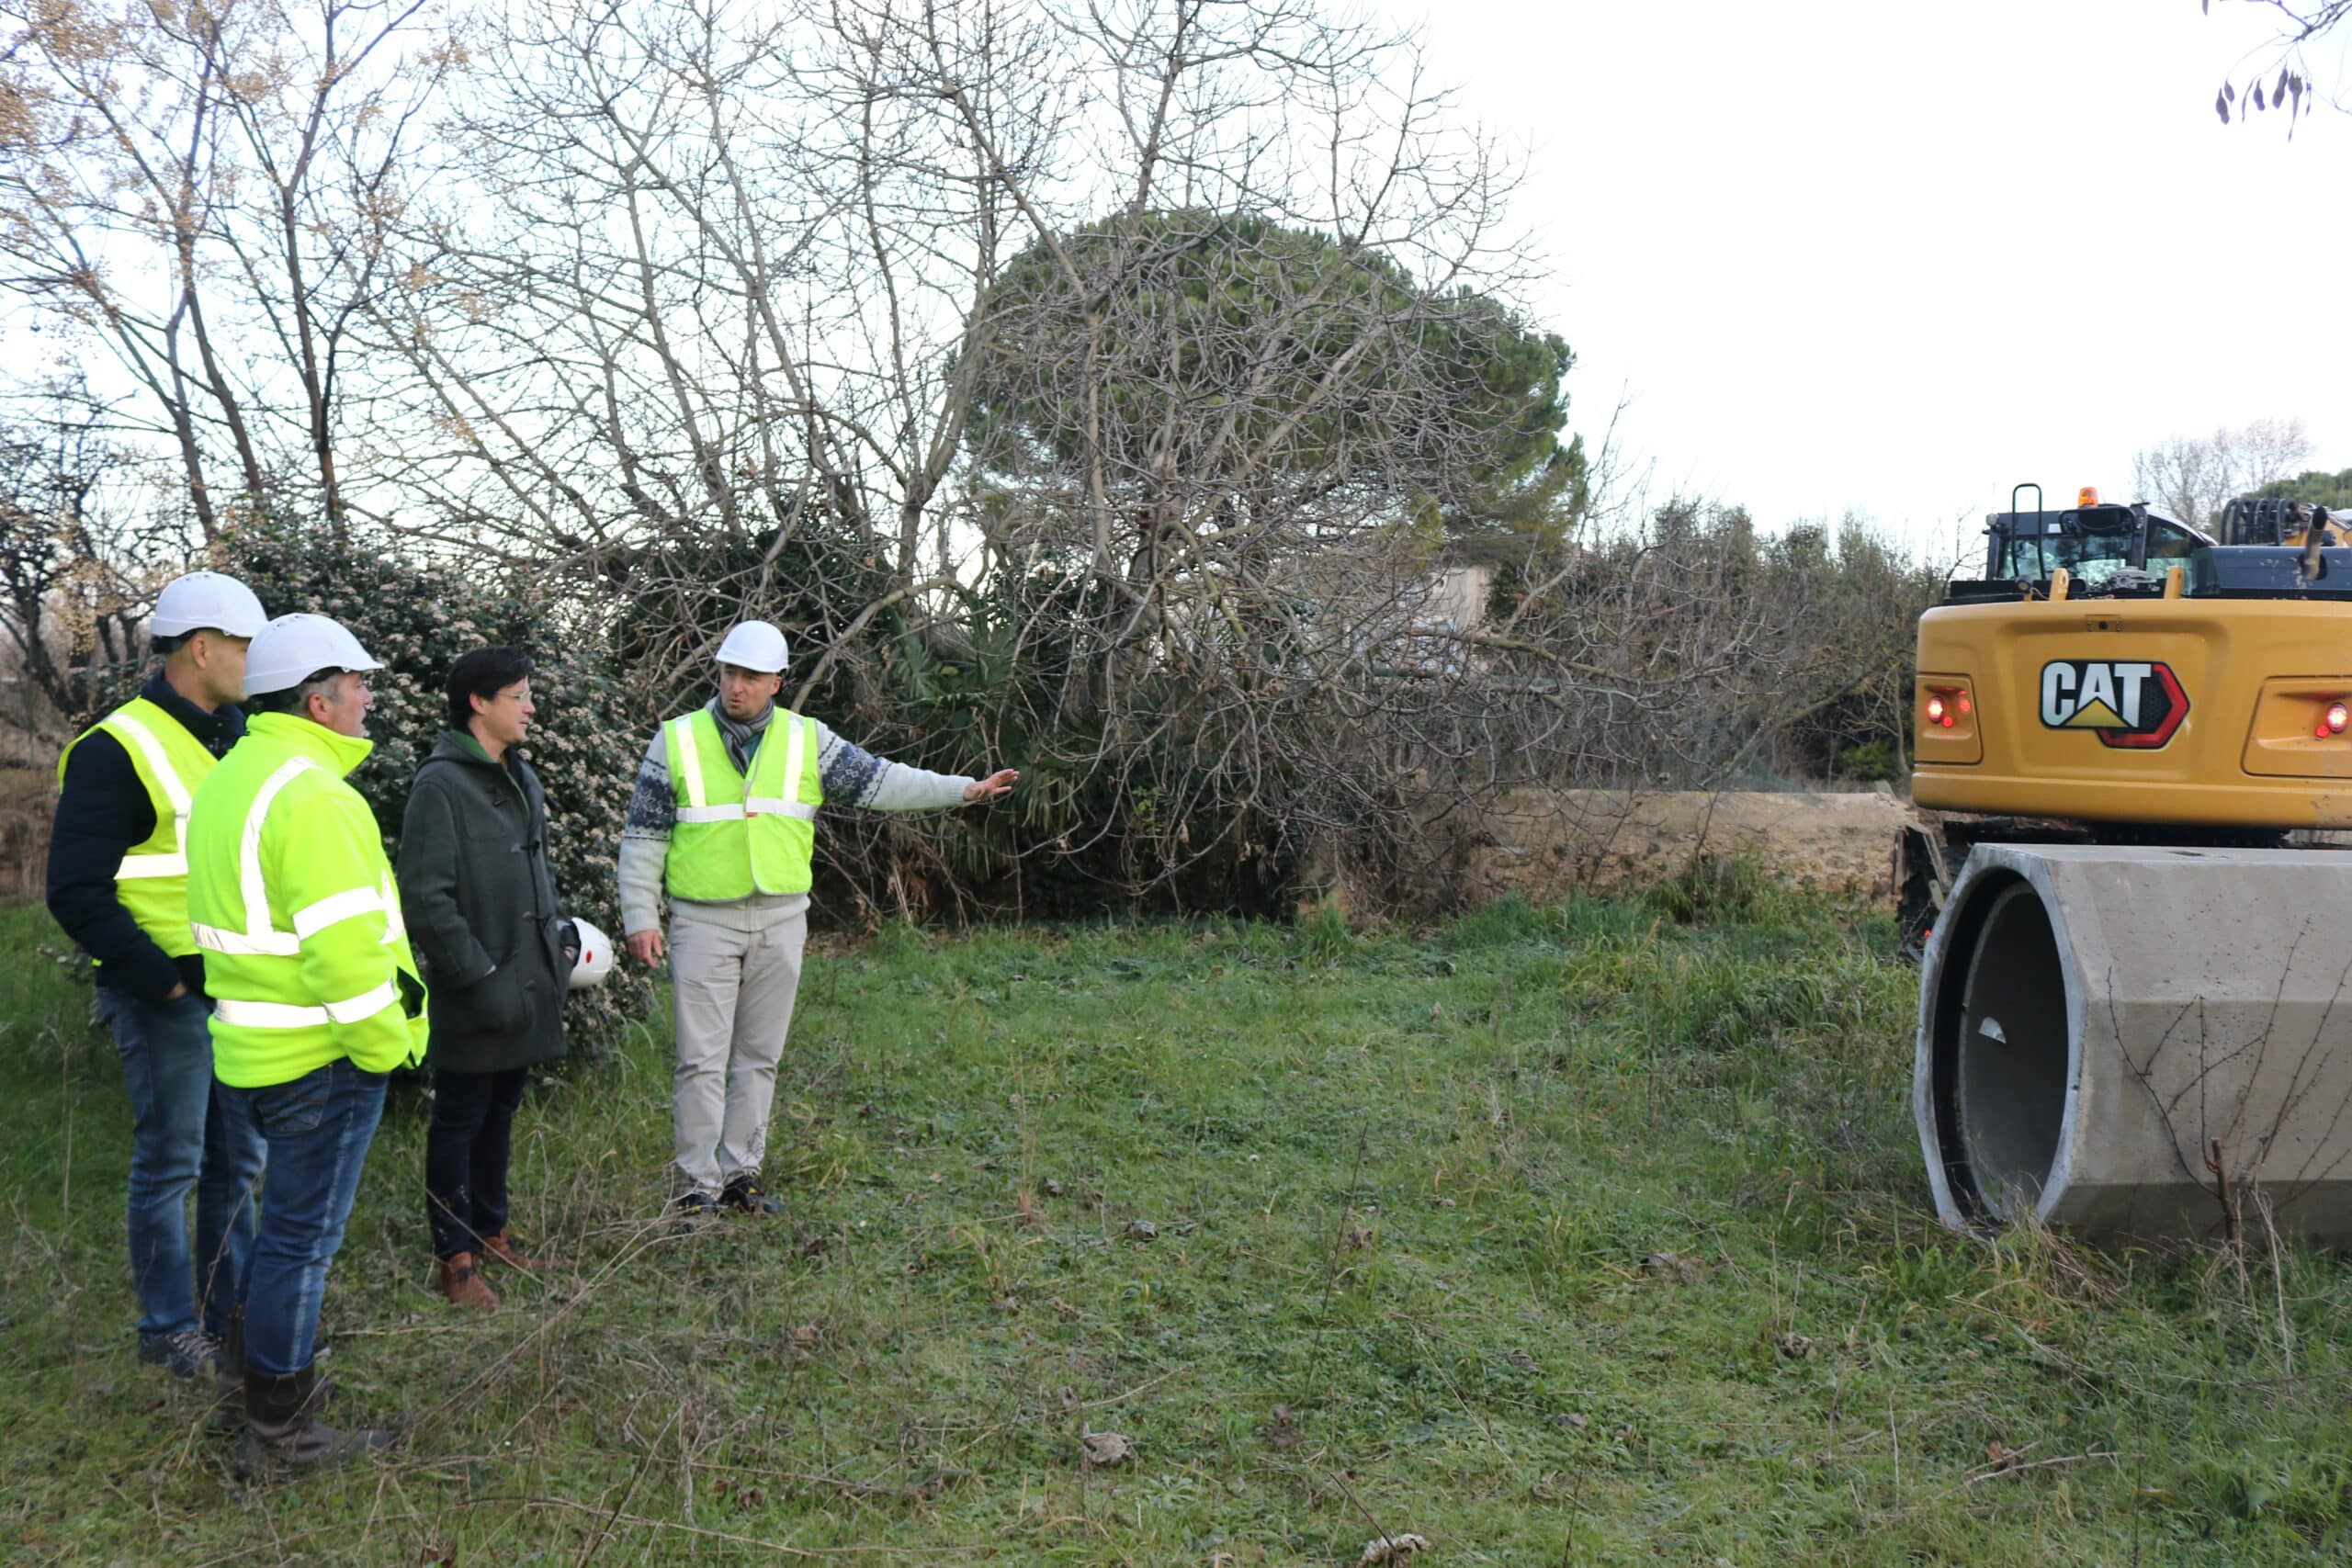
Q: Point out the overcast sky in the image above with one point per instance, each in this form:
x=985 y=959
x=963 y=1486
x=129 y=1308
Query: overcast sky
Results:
x=1895 y=258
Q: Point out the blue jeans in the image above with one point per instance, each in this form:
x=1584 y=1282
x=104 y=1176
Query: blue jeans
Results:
x=180 y=1139
x=318 y=1128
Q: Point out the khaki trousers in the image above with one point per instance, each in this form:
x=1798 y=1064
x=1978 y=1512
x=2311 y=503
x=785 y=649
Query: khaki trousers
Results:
x=733 y=974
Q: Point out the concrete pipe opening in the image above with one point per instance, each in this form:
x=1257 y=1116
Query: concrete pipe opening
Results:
x=2010 y=1050
x=2000 y=1049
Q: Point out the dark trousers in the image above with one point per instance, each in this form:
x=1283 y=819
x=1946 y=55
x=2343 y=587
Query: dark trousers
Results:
x=465 y=1156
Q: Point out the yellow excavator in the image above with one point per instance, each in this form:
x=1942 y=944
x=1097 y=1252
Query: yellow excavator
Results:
x=2136 y=1003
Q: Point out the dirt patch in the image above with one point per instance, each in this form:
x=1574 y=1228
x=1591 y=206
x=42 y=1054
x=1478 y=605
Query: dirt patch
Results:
x=27 y=797
x=1542 y=843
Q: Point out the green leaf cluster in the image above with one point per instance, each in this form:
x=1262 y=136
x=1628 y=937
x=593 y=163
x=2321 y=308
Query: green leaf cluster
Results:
x=1231 y=366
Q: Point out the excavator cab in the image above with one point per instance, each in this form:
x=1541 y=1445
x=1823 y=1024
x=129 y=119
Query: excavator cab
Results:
x=2111 y=548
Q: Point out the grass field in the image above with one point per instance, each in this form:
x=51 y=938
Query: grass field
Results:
x=1581 y=1235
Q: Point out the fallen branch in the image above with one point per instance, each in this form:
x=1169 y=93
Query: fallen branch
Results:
x=1995 y=1471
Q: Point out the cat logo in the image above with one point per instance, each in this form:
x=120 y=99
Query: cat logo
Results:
x=2132 y=704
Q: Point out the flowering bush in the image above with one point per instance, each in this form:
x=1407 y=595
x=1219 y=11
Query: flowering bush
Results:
x=416 y=618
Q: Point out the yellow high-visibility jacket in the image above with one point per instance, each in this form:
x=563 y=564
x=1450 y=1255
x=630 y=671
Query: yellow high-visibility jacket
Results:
x=293 y=906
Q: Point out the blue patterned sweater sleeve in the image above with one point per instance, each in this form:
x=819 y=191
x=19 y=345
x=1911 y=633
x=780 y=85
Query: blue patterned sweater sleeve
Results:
x=856 y=777
x=645 y=840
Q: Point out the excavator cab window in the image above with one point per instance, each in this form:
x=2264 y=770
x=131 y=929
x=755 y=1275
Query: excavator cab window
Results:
x=2170 y=541
x=2092 y=544
x=2110 y=549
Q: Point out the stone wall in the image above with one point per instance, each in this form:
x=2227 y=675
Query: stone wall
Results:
x=1541 y=843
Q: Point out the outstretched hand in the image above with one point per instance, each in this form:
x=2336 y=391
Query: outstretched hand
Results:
x=999 y=783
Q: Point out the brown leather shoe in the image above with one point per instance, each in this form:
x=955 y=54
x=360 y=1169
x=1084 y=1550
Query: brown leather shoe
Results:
x=459 y=1278
x=502 y=1247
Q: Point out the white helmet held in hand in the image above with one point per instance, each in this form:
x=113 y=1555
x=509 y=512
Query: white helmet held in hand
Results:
x=755 y=645
x=595 y=956
x=292 y=647
x=206 y=601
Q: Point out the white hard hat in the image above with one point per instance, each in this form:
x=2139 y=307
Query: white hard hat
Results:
x=595 y=956
x=755 y=645
x=206 y=601
x=293 y=647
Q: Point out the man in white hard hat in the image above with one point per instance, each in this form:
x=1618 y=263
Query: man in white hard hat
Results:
x=118 y=883
x=723 y=820
x=316 y=998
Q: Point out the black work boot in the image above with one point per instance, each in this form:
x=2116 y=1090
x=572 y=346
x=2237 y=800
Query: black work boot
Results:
x=282 y=1433
x=743 y=1193
x=229 y=1381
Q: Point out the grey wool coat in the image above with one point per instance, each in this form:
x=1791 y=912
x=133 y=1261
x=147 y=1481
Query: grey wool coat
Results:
x=481 y=908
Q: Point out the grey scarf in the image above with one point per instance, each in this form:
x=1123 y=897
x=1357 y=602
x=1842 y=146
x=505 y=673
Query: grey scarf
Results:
x=742 y=736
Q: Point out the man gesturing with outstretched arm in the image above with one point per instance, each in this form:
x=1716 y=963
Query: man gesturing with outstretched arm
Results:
x=723 y=821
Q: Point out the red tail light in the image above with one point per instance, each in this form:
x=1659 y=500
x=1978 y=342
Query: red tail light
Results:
x=1935 y=708
x=2334 y=721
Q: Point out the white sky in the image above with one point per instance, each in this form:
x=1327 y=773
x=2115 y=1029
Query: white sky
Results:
x=1895 y=257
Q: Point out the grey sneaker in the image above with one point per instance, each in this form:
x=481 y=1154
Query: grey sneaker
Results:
x=191 y=1353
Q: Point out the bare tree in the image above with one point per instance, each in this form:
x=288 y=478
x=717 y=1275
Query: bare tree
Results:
x=199 y=192
x=2191 y=478
x=79 y=552
x=1134 y=388
x=743 y=277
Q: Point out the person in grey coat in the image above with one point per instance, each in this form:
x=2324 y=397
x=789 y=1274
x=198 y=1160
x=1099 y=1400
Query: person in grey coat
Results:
x=484 y=915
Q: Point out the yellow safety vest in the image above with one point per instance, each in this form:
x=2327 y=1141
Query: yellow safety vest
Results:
x=151 y=881
x=735 y=836
x=293 y=903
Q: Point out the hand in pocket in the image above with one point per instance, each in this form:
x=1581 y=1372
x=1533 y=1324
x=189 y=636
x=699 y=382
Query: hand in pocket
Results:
x=499 y=1002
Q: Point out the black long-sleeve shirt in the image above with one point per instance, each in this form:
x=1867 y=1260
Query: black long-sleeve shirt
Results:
x=102 y=811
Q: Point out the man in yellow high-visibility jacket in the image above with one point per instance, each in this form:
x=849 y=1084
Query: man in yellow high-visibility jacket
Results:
x=117 y=884
x=315 y=996
x=724 y=820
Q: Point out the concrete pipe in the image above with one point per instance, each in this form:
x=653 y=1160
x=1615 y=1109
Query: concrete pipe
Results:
x=2095 y=1019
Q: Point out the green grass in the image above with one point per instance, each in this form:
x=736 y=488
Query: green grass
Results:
x=1404 y=1186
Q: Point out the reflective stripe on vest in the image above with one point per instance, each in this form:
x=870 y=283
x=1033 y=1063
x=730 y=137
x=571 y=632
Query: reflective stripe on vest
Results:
x=260 y=937
x=159 y=772
x=694 y=799
x=286 y=1015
